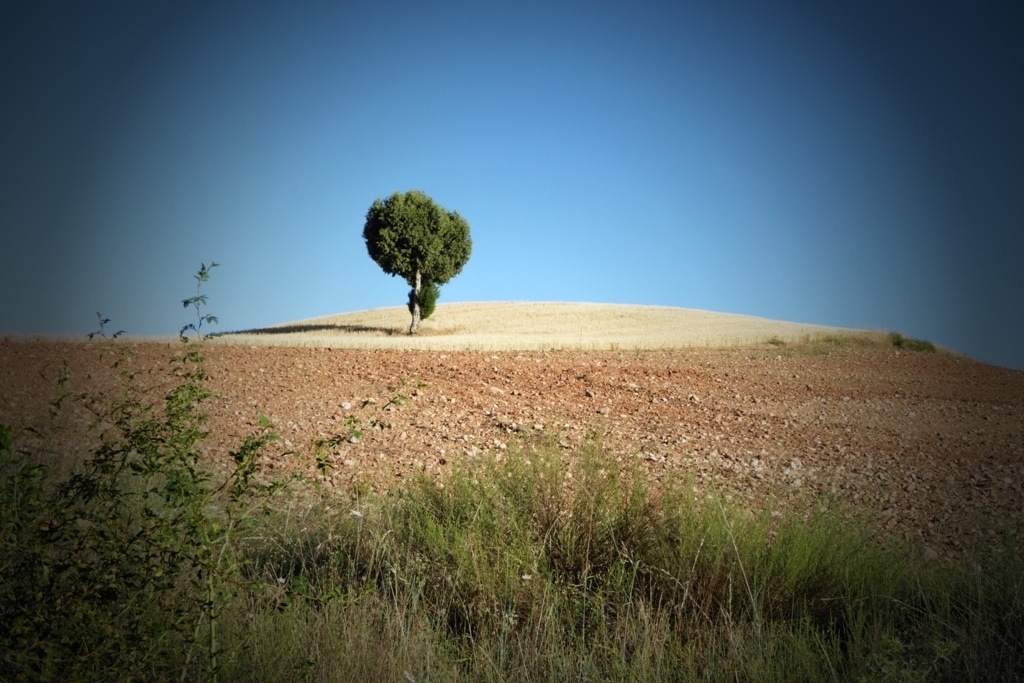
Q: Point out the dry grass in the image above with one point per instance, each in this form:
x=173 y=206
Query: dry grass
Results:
x=530 y=326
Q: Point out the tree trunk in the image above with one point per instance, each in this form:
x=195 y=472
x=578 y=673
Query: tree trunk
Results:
x=416 y=305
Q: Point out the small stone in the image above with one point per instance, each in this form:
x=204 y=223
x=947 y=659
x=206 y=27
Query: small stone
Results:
x=590 y=394
x=604 y=410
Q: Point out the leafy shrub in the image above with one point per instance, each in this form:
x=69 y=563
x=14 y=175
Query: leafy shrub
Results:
x=910 y=344
x=428 y=296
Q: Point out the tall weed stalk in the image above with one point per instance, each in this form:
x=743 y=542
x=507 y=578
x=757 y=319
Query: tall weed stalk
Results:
x=132 y=557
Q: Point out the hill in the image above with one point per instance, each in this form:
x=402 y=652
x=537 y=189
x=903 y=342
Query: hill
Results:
x=534 y=326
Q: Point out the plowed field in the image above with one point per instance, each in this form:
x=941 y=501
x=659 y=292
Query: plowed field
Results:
x=928 y=445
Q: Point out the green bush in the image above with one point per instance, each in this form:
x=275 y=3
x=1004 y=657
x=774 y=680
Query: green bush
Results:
x=910 y=344
x=429 y=294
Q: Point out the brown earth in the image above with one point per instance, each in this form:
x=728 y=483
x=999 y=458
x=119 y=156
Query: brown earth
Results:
x=928 y=445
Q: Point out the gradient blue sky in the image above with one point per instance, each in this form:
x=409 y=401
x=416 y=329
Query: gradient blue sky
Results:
x=859 y=166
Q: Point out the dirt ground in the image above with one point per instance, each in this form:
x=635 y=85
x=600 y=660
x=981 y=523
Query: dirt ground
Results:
x=928 y=445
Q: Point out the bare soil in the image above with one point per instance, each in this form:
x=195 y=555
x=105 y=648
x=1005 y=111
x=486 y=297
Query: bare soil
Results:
x=930 y=446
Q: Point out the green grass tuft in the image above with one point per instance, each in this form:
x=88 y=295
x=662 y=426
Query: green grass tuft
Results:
x=553 y=566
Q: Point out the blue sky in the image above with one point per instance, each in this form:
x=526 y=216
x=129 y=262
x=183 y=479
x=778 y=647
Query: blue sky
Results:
x=861 y=167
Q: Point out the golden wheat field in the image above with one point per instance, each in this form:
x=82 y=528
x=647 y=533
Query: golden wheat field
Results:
x=497 y=326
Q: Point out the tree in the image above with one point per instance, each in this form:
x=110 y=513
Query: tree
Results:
x=411 y=236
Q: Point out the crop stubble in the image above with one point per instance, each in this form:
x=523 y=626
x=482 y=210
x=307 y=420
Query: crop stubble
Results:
x=503 y=326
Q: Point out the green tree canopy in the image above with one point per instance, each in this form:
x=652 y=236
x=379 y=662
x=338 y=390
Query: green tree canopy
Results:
x=409 y=235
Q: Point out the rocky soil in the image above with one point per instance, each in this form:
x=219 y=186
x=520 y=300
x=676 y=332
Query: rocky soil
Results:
x=930 y=446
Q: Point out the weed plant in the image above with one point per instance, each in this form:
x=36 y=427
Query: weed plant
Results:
x=131 y=557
